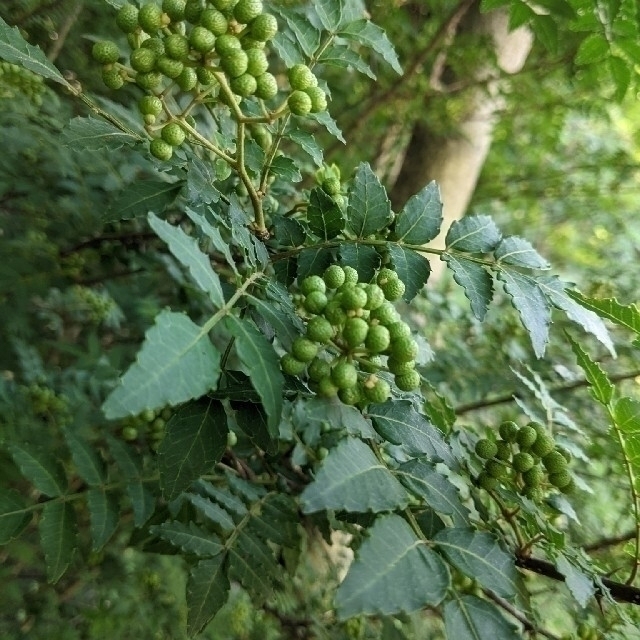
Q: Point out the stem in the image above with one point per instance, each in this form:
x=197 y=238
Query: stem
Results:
x=272 y=154
x=207 y=144
x=256 y=200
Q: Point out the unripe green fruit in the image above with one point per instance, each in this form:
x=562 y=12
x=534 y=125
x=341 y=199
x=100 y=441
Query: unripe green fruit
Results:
x=318 y=99
x=393 y=289
x=533 y=492
x=543 y=445
x=315 y=302
x=508 y=431
x=565 y=453
x=129 y=433
x=201 y=39
x=569 y=488
x=385 y=276
x=247 y=10
x=344 y=375
x=112 y=79
x=526 y=437
x=188 y=79
x=251 y=43
x=355 y=331
x=319 y=329
x=327 y=388
x=331 y=186
x=173 y=134
x=373 y=364
x=176 y=46
x=155 y=44
x=291 y=366
x=258 y=62
x=400 y=368
x=351 y=396
x=267 y=86
x=261 y=135
x=335 y=314
x=334 y=276
x=486 y=448
x=408 y=381
x=304 y=349
x=350 y=275
x=353 y=299
x=169 y=67
x=523 y=462
x=205 y=76
x=301 y=77
x=385 y=314
x=232 y=439
x=161 y=149
x=313 y=283
x=399 y=330
x=105 y=52
x=143 y=60
x=375 y=296
x=534 y=477
x=299 y=103
x=244 y=85
x=504 y=450
x=496 y=469
x=193 y=10
x=150 y=18
x=150 y=105
x=235 y=64
x=174 y=9
x=215 y=21
x=127 y=18
x=227 y=44
x=560 y=479
x=487 y=482
x=404 y=349
x=319 y=369
x=554 y=462
x=376 y=389
x=264 y=27
x=378 y=339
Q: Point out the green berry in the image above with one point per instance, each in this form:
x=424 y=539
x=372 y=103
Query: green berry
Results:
x=201 y=39
x=176 y=46
x=301 y=77
x=508 y=431
x=344 y=375
x=399 y=330
x=555 y=462
x=247 y=10
x=372 y=364
x=267 y=86
x=569 y=488
x=261 y=135
x=331 y=186
x=351 y=396
x=143 y=60
x=155 y=44
x=193 y=10
x=244 y=85
x=353 y=299
x=215 y=21
x=486 y=448
x=350 y=275
x=232 y=439
x=487 y=482
x=161 y=149
x=504 y=450
x=315 y=302
x=105 y=52
x=404 y=349
x=304 y=349
x=129 y=433
x=378 y=339
x=526 y=437
x=174 y=9
x=534 y=477
x=393 y=289
x=112 y=79
x=188 y=79
x=169 y=67
x=496 y=469
x=318 y=99
x=299 y=103
x=150 y=105
x=205 y=76
x=127 y=18
x=264 y=27
x=335 y=314
x=376 y=390
x=173 y=133
x=565 y=453
x=334 y=276
x=313 y=283
x=533 y=492
x=258 y=63
x=523 y=462
x=400 y=368
x=291 y=366
x=354 y=332
x=227 y=44
x=327 y=388
x=235 y=64
x=408 y=381
x=385 y=276
x=150 y=17
x=375 y=296
x=319 y=369
x=319 y=329
x=385 y=314
x=543 y=445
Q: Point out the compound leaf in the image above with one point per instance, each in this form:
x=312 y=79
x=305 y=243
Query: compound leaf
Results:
x=324 y=215
x=40 y=468
x=625 y=315
x=519 y=252
x=140 y=198
x=329 y=12
x=412 y=268
x=88 y=464
x=372 y=36
x=340 y=55
x=14 y=515
x=188 y=537
x=601 y=387
x=473 y=234
x=104 y=515
x=91 y=134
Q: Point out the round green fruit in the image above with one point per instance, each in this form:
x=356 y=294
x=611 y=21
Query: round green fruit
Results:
x=486 y=448
x=334 y=276
x=504 y=450
x=385 y=314
x=215 y=21
x=534 y=477
x=264 y=27
x=304 y=349
x=376 y=390
x=313 y=283
x=112 y=79
x=404 y=349
x=291 y=365
x=176 y=46
x=127 y=18
x=301 y=77
x=408 y=381
x=375 y=296
x=205 y=76
x=105 y=52
x=372 y=364
x=247 y=10
x=261 y=135
x=350 y=275
x=335 y=314
x=318 y=99
x=267 y=86
x=523 y=461
x=319 y=329
x=201 y=39
x=143 y=60
x=188 y=79
x=496 y=469
x=173 y=133
x=344 y=375
x=169 y=67
x=315 y=302
x=487 y=482
x=232 y=439
x=353 y=298
x=393 y=290
x=155 y=44
x=532 y=492
x=331 y=186
x=299 y=103
x=244 y=85
x=258 y=62
x=150 y=80
x=327 y=388
x=400 y=368
x=351 y=396
x=227 y=44
x=354 y=332
x=193 y=10
x=385 y=276
x=543 y=445
x=150 y=105
x=508 y=431
x=150 y=18
x=161 y=149
x=129 y=433
x=526 y=437
x=235 y=64
x=174 y=9
x=378 y=339
x=399 y=330
x=319 y=369
x=555 y=462
x=560 y=479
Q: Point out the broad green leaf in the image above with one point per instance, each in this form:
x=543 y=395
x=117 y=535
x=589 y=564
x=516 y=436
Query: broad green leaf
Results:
x=57 y=537
x=363 y=258
x=476 y=282
x=352 y=479
x=324 y=215
x=307 y=143
x=285 y=168
x=421 y=478
x=601 y=387
x=307 y=36
x=626 y=315
x=372 y=36
x=139 y=198
x=252 y=420
x=185 y=249
x=420 y=219
x=479 y=555
x=519 y=252
x=286 y=327
x=41 y=468
x=104 y=515
x=369 y=209
x=532 y=306
x=200 y=179
x=340 y=55
x=176 y=363
x=276 y=520
x=329 y=12
x=14 y=515
x=86 y=459
x=579 y=584
x=222 y=496
x=188 y=537
x=473 y=234
x=545 y=28
x=520 y=14
x=313 y=262
x=88 y=134
x=329 y=124
x=398 y=422
x=393 y=572
x=289 y=232
x=262 y=366
x=621 y=74
x=627 y=418
x=286 y=47
x=317 y=411
x=594 y=48
x=195 y=439
x=212 y=511
x=472 y=618
x=15 y=49
x=247 y=490
x=207 y=591
x=412 y=268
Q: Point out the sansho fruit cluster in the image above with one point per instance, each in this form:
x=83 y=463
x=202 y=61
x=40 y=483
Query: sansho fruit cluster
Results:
x=353 y=331
x=526 y=457
x=15 y=79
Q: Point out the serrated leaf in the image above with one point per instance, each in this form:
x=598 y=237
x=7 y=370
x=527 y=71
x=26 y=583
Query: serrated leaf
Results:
x=251 y=563
x=580 y=585
x=324 y=215
x=532 y=306
x=316 y=411
x=393 y=572
x=14 y=515
x=253 y=421
x=421 y=478
x=57 y=537
x=15 y=49
x=421 y=217
x=200 y=179
x=476 y=619
x=340 y=55
x=212 y=511
x=263 y=367
x=372 y=36
x=41 y=468
x=479 y=555
x=286 y=47
x=176 y=363
x=104 y=516
x=545 y=29
x=195 y=439
x=207 y=591
x=412 y=268
x=519 y=14
x=185 y=249
x=289 y=232
x=307 y=143
x=473 y=234
x=476 y=282
x=89 y=465
x=188 y=537
x=90 y=134
x=223 y=497
x=363 y=258
x=287 y=327
x=398 y=422
x=625 y=315
x=593 y=48
x=276 y=520
x=627 y=418
x=352 y=479
x=137 y=199
x=369 y=209
x=329 y=12
x=285 y=168
x=313 y=262
x=307 y=36
x=601 y=387
x=329 y=124
x=519 y=252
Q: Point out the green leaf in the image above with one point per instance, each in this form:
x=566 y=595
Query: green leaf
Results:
x=519 y=252
x=393 y=572
x=490 y=5
x=372 y=36
x=627 y=419
x=520 y=14
x=223 y=497
x=262 y=366
x=289 y=232
x=594 y=48
x=57 y=537
x=212 y=511
x=307 y=143
x=601 y=387
x=313 y=262
x=545 y=29
x=324 y=215
x=188 y=537
x=286 y=47
x=104 y=515
x=214 y=235
x=207 y=591
x=369 y=209
x=285 y=168
x=139 y=198
x=253 y=422
x=276 y=520
x=287 y=327
x=195 y=439
x=421 y=217
x=421 y=478
x=476 y=282
x=479 y=555
x=14 y=515
x=328 y=123
x=352 y=479
x=412 y=268
x=340 y=55
x=88 y=463
x=200 y=179
x=306 y=35
x=90 y=134
x=363 y=258
x=185 y=249
x=532 y=306
x=329 y=12
x=176 y=363
x=41 y=468
x=473 y=234
x=476 y=619
x=580 y=585
x=316 y=411
x=15 y=49
x=621 y=74
x=399 y=423
x=624 y=315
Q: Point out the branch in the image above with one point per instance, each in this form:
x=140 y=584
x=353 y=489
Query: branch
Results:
x=603 y=543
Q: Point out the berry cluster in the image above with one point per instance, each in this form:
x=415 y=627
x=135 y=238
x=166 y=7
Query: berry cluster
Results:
x=527 y=457
x=328 y=178
x=350 y=328
x=47 y=404
x=15 y=79
x=150 y=424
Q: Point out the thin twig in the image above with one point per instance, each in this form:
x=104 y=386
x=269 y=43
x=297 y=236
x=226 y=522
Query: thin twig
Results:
x=64 y=30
